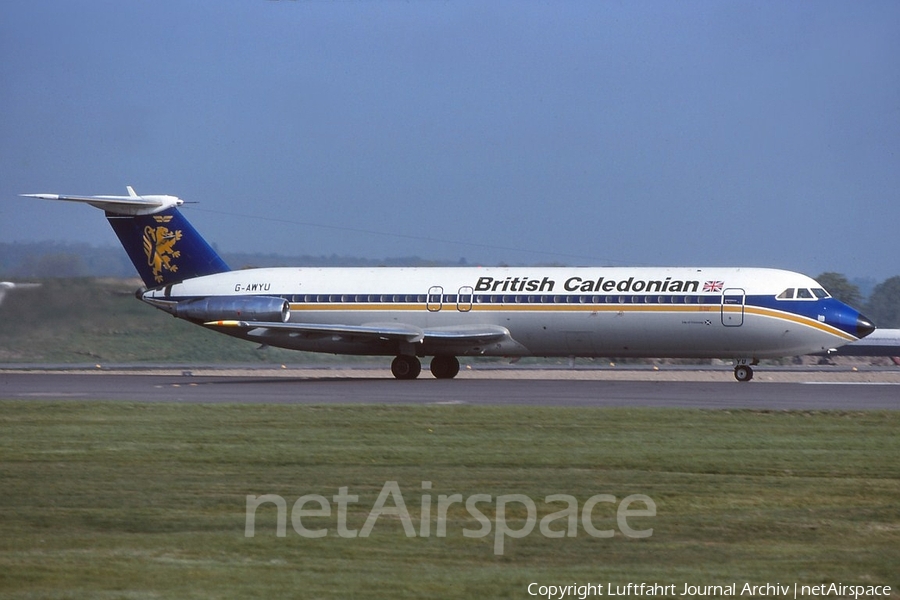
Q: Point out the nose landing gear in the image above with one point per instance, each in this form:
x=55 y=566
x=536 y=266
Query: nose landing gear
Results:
x=743 y=373
x=743 y=370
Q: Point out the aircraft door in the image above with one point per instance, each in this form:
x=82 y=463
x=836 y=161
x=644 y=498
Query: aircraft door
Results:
x=733 y=307
x=435 y=298
x=465 y=298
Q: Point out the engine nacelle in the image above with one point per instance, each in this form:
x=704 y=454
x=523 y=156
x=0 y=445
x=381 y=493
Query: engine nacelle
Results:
x=237 y=308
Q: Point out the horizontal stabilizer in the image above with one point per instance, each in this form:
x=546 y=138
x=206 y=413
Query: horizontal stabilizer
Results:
x=132 y=204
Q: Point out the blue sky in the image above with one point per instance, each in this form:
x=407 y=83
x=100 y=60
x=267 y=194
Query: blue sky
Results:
x=590 y=133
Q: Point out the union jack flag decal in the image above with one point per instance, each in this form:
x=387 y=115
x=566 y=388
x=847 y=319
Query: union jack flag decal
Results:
x=713 y=286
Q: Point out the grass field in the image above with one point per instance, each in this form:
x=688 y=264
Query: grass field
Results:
x=117 y=500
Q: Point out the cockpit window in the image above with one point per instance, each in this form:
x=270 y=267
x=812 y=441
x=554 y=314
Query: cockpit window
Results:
x=803 y=294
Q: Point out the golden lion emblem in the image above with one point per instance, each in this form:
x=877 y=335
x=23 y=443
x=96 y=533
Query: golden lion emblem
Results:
x=159 y=246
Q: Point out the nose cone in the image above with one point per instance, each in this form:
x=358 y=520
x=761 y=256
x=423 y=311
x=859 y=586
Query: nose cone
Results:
x=863 y=326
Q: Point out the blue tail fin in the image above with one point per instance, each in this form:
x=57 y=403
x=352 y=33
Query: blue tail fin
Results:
x=165 y=248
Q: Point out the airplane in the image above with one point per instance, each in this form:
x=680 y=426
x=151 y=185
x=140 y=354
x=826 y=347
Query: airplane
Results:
x=882 y=342
x=7 y=286
x=744 y=314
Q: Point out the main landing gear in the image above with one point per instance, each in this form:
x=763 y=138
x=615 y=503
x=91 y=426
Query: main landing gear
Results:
x=406 y=367
x=444 y=367
x=409 y=367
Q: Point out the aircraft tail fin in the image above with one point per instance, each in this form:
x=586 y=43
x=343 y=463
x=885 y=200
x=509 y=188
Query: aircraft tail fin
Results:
x=162 y=245
x=165 y=248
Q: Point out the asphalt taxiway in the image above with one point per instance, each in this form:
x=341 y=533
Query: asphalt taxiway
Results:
x=807 y=391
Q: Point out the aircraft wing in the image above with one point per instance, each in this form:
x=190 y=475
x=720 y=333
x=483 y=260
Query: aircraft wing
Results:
x=476 y=334
x=9 y=285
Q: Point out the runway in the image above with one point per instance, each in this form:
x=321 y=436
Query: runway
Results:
x=810 y=392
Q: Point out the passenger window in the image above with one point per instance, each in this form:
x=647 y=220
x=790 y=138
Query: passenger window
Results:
x=786 y=294
x=804 y=293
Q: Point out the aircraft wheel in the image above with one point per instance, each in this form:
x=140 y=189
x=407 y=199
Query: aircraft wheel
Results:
x=406 y=367
x=444 y=367
x=743 y=373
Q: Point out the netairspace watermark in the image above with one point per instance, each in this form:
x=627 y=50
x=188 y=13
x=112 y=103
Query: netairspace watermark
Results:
x=746 y=589
x=390 y=502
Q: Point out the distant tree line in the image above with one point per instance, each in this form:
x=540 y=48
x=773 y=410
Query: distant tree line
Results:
x=59 y=259
x=43 y=260
x=882 y=306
